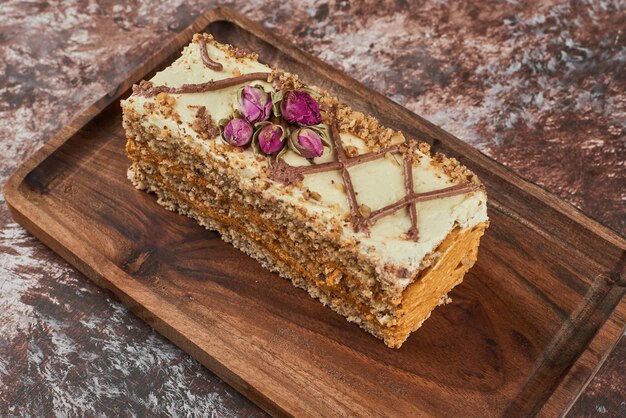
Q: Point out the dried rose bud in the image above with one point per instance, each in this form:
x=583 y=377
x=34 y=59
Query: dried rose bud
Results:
x=269 y=137
x=237 y=132
x=306 y=143
x=254 y=104
x=300 y=108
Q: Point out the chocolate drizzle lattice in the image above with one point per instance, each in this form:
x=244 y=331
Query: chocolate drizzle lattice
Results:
x=287 y=174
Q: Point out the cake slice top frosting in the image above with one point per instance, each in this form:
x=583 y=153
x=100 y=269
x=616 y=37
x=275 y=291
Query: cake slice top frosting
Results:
x=386 y=196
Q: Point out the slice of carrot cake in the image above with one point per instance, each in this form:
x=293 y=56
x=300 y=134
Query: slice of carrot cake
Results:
x=365 y=220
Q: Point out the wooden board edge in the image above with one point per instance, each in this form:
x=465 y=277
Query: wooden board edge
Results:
x=571 y=387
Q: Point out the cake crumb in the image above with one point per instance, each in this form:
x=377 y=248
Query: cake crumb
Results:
x=340 y=186
x=309 y=195
x=365 y=210
x=166 y=105
x=351 y=151
x=203 y=124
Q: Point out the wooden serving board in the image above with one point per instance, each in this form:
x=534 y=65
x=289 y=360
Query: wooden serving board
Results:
x=532 y=322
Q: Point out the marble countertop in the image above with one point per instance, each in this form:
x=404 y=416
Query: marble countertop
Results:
x=540 y=86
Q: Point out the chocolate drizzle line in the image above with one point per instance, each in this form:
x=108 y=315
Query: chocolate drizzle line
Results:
x=287 y=174
x=407 y=164
x=206 y=60
x=147 y=89
x=347 y=181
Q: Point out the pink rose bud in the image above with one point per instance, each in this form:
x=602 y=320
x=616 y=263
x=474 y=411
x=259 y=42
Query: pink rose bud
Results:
x=306 y=142
x=237 y=132
x=271 y=138
x=254 y=104
x=299 y=107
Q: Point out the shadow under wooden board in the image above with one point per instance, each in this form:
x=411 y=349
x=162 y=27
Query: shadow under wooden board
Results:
x=533 y=320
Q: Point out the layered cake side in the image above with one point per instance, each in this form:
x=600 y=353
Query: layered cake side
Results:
x=370 y=223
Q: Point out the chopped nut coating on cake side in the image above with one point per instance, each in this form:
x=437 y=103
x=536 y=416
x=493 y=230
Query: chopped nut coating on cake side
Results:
x=368 y=222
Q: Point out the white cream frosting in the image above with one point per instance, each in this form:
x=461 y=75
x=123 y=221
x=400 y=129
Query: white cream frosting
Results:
x=377 y=183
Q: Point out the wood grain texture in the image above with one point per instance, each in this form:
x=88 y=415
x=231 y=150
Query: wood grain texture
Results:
x=520 y=337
